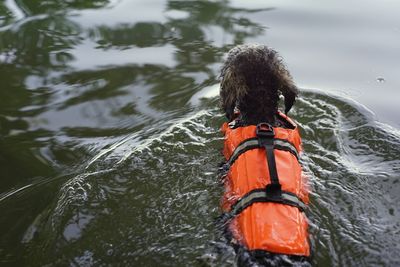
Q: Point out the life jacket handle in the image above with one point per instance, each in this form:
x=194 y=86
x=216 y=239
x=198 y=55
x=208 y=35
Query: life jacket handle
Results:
x=265 y=130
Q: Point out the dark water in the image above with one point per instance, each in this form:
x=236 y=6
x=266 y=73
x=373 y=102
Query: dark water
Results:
x=109 y=128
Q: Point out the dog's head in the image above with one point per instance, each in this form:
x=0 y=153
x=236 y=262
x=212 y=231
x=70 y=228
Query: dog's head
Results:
x=252 y=78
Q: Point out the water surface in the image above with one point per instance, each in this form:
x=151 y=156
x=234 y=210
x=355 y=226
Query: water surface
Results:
x=109 y=127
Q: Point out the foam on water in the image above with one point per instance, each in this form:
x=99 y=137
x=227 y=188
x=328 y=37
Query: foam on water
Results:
x=167 y=178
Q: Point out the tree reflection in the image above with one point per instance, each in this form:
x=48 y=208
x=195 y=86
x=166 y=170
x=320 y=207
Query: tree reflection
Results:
x=196 y=53
x=39 y=82
x=34 y=7
x=50 y=110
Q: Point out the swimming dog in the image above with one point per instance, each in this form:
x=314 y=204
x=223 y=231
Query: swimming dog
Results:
x=265 y=190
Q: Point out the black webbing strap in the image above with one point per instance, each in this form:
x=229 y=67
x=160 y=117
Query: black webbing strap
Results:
x=253 y=143
x=265 y=133
x=261 y=195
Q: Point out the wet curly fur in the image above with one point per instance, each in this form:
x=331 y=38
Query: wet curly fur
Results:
x=252 y=78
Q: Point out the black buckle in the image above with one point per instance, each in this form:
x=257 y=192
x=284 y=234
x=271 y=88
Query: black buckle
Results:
x=264 y=129
x=274 y=191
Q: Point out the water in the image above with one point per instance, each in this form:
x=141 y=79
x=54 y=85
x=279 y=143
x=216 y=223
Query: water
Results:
x=110 y=138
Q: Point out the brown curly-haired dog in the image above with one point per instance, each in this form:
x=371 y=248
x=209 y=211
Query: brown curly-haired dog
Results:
x=253 y=77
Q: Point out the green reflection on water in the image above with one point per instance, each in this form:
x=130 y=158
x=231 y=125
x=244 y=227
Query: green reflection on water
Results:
x=55 y=116
x=119 y=168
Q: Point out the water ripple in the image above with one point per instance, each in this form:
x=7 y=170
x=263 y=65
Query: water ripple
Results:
x=158 y=189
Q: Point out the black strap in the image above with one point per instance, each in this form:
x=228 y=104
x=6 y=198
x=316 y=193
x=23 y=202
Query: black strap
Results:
x=261 y=195
x=253 y=143
x=265 y=133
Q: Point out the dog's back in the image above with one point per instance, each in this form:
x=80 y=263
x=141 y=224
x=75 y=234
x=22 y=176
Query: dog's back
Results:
x=258 y=221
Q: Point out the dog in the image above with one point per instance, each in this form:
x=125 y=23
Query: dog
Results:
x=265 y=191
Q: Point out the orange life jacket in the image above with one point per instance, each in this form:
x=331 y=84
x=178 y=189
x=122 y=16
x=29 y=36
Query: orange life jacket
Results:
x=265 y=190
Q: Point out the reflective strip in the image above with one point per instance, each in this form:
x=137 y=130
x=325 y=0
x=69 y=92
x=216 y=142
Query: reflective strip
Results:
x=253 y=143
x=260 y=195
x=247 y=144
x=283 y=144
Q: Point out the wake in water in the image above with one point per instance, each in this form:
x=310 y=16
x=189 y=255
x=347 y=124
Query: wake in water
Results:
x=355 y=165
x=152 y=198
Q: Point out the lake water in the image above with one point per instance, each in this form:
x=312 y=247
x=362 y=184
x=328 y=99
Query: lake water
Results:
x=109 y=127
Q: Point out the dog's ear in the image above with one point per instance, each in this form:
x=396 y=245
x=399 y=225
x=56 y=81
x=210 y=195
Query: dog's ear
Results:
x=233 y=88
x=228 y=105
x=286 y=85
x=290 y=93
x=227 y=98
